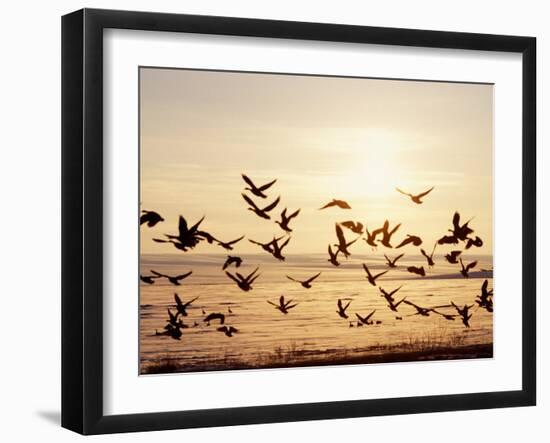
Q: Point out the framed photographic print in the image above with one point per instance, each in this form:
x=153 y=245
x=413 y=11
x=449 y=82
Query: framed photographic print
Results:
x=268 y=221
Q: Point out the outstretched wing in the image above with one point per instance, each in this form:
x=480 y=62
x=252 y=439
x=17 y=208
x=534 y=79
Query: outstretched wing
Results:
x=267 y=185
x=425 y=193
x=189 y=302
x=177 y=299
x=293 y=279
x=249 y=201
x=367 y=270
x=370 y=315
x=248 y=181
x=232 y=242
x=272 y=205
x=312 y=278
x=340 y=234
x=379 y=275
x=232 y=277
x=158 y=274
x=294 y=214
x=194 y=228
x=403 y=192
x=471 y=265
x=182 y=276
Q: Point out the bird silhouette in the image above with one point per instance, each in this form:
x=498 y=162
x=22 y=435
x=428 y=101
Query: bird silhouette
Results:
x=257 y=190
x=411 y=239
x=429 y=258
x=449 y=317
x=283 y=305
x=171 y=331
x=417 y=270
x=333 y=256
x=187 y=238
x=339 y=203
x=150 y=217
x=175 y=280
x=388 y=295
x=425 y=312
x=371 y=238
x=365 y=320
x=485 y=299
x=173 y=319
x=464 y=313
x=372 y=278
x=342 y=244
x=342 y=309
x=229 y=245
x=354 y=227
x=386 y=233
x=465 y=269
x=447 y=240
x=182 y=307
x=278 y=249
x=228 y=330
x=230 y=260
x=149 y=279
x=452 y=257
x=285 y=220
x=306 y=283
x=477 y=242
x=268 y=247
x=261 y=212
x=244 y=283
x=461 y=232
x=416 y=198
x=392 y=263
x=215 y=316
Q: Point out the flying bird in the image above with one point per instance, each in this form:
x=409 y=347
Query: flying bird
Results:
x=429 y=258
x=411 y=239
x=230 y=260
x=306 y=283
x=417 y=270
x=278 y=249
x=339 y=203
x=354 y=227
x=285 y=220
x=485 y=300
x=175 y=280
x=447 y=240
x=372 y=278
x=150 y=217
x=258 y=191
x=465 y=269
x=229 y=245
x=173 y=319
x=182 y=307
x=464 y=313
x=452 y=257
x=365 y=320
x=171 y=331
x=461 y=232
x=477 y=242
x=244 y=283
x=187 y=238
x=283 y=305
x=333 y=256
x=149 y=279
x=388 y=295
x=371 y=238
x=342 y=244
x=392 y=263
x=416 y=198
x=268 y=247
x=342 y=309
x=215 y=316
x=261 y=212
x=386 y=233
x=228 y=330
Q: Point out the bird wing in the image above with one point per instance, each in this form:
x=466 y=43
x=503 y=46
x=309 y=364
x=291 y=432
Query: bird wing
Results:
x=346 y=307
x=293 y=279
x=177 y=299
x=340 y=234
x=360 y=318
x=367 y=270
x=158 y=274
x=394 y=229
x=398 y=257
x=249 y=276
x=379 y=275
x=232 y=329
x=294 y=214
x=388 y=260
x=194 y=228
x=395 y=290
x=342 y=204
x=232 y=242
x=273 y=304
x=425 y=193
x=232 y=277
x=339 y=304
x=182 y=226
x=182 y=276
x=471 y=265
x=424 y=253
x=328 y=205
x=272 y=205
x=291 y=306
x=370 y=315
x=267 y=185
x=403 y=192
x=404 y=243
x=312 y=278
x=248 y=181
x=348 y=224
x=189 y=302
x=249 y=201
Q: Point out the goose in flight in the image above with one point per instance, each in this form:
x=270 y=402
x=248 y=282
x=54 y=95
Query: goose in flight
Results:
x=173 y=319
x=215 y=316
x=342 y=309
x=258 y=191
x=464 y=313
x=342 y=244
x=465 y=269
x=283 y=305
x=447 y=240
x=333 y=256
x=449 y=317
x=278 y=249
x=371 y=238
x=268 y=247
x=149 y=279
x=175 y=280
x=187 y=238
x=477 y=242
x=429 y=258
x=339 y=203
x=372 y=278
x=306 y=283
x=245 y=283
x=365 y=320
x=354 y=227
x=386 y=233
x=452 y=257
x=285 y=219
x=417 y=270
x=419 y=310
x=228 y=330
x=394 y=305
x=461 y=232
x=171 y=331
x=150 y=217
x=182 y=307
x=229 y=245
x=261 y=212
x=411 y=239
x=485 y=299
x=392 y=263
x=388 y=295
x=230 y=260
x=416 y=198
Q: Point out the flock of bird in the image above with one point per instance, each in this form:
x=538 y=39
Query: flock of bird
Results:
x=189 y=237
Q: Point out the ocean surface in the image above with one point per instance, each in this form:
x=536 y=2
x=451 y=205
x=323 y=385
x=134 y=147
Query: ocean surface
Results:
x=313 y=326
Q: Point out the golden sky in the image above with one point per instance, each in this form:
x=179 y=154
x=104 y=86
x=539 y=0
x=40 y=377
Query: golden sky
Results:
x=321 y=138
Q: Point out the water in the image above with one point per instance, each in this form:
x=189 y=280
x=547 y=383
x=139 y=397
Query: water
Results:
x=312 y=328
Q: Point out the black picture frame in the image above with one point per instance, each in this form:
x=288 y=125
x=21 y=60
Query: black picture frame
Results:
x=82 y=219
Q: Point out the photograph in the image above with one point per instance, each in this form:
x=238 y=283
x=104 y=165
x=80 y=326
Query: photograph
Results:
x=295 y=220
